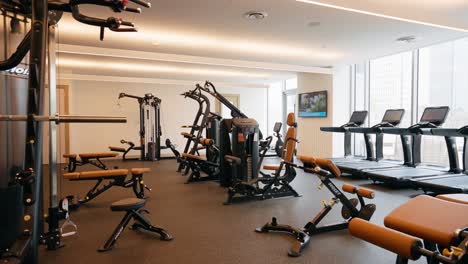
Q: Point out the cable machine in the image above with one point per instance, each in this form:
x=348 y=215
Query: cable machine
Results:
x=150 y=126
x=21 y=123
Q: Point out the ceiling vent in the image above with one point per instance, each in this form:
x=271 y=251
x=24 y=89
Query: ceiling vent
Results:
x=407 y=39
x=255 y=15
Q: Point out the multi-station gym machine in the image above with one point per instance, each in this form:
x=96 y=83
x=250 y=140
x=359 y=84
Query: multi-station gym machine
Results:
x=150 y=126
x=22 y=85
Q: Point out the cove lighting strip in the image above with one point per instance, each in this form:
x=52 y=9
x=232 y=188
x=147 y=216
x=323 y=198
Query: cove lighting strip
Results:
x=382 y=15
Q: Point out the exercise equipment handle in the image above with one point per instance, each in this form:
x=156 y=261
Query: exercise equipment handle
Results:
x=16 y=58
x=66 y=119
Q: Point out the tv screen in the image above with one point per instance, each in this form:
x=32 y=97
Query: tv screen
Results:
x=313 y=104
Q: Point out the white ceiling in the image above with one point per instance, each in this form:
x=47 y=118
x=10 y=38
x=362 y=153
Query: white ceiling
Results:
x=216 y=29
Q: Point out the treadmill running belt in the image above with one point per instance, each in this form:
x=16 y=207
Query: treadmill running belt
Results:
x=456 y=184
x=365 y=164
x=401 y=174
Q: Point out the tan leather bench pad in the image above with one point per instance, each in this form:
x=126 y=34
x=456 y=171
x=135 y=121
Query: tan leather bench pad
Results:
x=429 y=218
x=190 y=156
x=98 y=155
x=456 y=198
x=140 y=170
x=95 y=174
x=117 y=148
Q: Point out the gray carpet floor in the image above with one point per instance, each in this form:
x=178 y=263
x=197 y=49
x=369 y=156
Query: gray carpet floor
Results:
x=206 y=231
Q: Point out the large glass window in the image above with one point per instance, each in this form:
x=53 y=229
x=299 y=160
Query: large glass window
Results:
x=390 y=88
x=360 y=103
x=291 y=84
x=443 y=81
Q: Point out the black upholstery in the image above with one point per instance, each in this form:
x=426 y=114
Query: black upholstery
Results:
x=128 y=204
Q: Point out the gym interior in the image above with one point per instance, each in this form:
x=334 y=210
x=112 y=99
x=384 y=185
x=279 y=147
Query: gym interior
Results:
x=221 y=131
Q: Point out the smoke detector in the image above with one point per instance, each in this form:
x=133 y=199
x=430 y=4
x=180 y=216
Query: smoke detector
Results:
x=314 y=24
x=255 y=15
x=407 y=39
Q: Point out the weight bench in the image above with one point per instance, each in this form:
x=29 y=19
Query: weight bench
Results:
x=420 y=227
x=134 y=209
x=113 y=178
x=87 y=158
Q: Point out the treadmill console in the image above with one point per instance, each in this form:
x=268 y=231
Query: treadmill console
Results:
x=357 y=119
x=393 y=116
x=434 y=115
x=277 y=127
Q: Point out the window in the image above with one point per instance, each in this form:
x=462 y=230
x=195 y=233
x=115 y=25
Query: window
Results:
x=443 y=81
x=390 y=88
x=291 y=84
x=360 y=98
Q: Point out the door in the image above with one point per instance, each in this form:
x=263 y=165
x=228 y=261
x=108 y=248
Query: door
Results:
x=222 y=110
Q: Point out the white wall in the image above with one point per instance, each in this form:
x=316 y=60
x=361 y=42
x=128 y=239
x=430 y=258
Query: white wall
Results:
x=341 y=105
x=313 y=141
x=100 y=98
x=275 y=107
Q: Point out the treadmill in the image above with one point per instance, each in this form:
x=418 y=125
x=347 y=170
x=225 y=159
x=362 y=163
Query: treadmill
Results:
x=392 y=118
x=357 y=119
x=450 y=183
x=433 y=117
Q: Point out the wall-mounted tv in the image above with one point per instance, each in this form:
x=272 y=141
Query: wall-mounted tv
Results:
x=314 y=104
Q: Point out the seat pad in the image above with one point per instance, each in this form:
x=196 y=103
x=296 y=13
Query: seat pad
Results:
x=128 y=204
x=69 y=156
x=117 y=149
x=98 y=155
x=140 y=170
x=186 y=134
x=456 y=198
x=271 y=167
x=191 y=156
x=91 y=175
x=429 y=218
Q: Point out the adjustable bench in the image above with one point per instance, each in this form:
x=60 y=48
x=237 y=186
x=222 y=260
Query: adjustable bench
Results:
x=420 y=227
x=114 y=178
x=87 y=158
x=134 y=209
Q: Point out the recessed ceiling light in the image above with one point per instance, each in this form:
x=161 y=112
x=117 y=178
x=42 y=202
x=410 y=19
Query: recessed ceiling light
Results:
x=255 y=15
x=407 y=39
x=314 y=24
x=155 y=43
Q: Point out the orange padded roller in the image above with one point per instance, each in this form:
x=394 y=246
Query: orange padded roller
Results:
x=389 y=239
x=329 y=166
x=365 y=193
x=140 y=170
x=307 y=160
x=349 y=188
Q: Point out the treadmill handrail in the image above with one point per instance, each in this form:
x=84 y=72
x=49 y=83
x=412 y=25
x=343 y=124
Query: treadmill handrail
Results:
x=406 y=131
x=335 y=129
x=448 y=132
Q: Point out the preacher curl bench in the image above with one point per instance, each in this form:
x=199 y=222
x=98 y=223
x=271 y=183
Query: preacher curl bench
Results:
x=114 y=177
x=87 y=158
x=436 y=228
x=325 y=170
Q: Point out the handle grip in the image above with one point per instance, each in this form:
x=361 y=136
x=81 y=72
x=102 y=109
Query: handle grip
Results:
x=142 y=3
